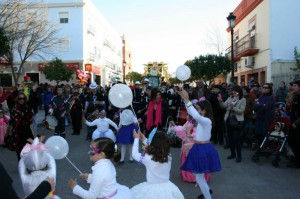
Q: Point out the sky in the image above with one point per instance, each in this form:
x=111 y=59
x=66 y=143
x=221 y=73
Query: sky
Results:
x=170 y=31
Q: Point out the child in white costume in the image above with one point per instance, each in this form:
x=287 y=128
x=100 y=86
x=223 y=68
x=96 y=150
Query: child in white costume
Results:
x=158 y=165
x=103 y=183
x=35 y=165
x=103 y=129
x=128 y=122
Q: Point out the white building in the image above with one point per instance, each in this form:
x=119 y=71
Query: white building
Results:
x=265 y=35
x=86 y=42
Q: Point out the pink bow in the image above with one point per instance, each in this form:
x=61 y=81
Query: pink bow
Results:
x=29 y=147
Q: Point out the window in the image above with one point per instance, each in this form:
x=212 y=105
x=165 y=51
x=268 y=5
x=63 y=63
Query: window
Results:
x=63 y=17
x=63 y=45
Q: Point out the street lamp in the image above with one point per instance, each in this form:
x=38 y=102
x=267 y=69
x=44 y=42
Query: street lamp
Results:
x=231 y=22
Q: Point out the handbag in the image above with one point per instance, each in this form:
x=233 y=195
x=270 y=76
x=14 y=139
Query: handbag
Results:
x=232 y=120
x=10 y=138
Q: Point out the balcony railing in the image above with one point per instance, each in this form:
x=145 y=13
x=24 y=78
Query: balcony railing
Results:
x=243 y=47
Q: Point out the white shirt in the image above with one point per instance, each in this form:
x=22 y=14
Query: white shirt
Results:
x=156 y=172
x=103 y=181
x=204 y=124
x=102 y=124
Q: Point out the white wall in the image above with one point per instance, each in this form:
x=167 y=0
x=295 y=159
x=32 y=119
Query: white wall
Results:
x=284 y=29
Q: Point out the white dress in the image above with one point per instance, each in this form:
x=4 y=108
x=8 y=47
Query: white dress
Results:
x=158 y=185
x=103 y=183
x=103 y=129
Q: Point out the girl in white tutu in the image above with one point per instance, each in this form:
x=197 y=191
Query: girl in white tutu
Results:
x=103 y=129
x=157 y=161
x=103 y=183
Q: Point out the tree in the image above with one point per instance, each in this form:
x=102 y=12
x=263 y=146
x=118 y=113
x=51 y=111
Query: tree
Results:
x=133 y=76
x=57 y=71
x=297 y=59
x=215 y=40
x=208 y=67
x=28 y=31
x=174 y=80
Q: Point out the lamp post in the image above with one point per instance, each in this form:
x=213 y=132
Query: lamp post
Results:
x=231 y=22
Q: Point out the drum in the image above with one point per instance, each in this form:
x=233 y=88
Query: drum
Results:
x=181 y=115
x=50 y=122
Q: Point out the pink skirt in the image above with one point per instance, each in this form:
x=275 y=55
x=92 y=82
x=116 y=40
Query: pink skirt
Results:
x=3 y=128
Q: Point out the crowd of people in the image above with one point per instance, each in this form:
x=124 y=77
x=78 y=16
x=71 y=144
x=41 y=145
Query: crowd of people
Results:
x=231 y=115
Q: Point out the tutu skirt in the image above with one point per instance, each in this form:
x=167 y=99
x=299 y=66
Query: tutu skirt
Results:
x=122 y=192
x=202 y=158
x=165 y=190
x=124 y=135
x=109 y=134
x=3 y=128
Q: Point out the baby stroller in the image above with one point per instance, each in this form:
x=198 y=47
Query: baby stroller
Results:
x=274 y=142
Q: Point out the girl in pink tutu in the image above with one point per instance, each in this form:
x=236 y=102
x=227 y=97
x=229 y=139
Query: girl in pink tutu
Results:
x=3 y=125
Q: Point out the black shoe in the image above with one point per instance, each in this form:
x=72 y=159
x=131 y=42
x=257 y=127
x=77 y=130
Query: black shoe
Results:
x=121 y=162
x=238 y=160
x=73 y=134
x=201 y=196
x=226 y=146
x=231 y=157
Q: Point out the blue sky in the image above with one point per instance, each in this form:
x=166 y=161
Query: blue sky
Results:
x=171 y=31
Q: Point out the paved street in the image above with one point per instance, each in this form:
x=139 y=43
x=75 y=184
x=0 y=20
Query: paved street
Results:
x=246 y=180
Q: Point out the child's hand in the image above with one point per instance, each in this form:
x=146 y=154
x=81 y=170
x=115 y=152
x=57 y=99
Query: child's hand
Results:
x=72 y=183
x=142 y=136
x=135 y=134
x=41 y=139
x=84 y=176
x=171 y=123
x=29 y=140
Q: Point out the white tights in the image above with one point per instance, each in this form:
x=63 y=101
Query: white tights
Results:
x=203 y=185
x=123 y=151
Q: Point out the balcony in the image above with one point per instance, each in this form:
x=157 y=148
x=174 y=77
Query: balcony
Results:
x=243 y=48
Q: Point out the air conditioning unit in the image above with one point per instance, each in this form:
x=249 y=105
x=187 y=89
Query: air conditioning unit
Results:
x=249 y=62
x=16 y=69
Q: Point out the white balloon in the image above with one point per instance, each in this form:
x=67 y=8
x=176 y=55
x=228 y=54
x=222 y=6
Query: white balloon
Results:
x=183 y=73
x=126 y=117
x=120 y=95
x=57 y=146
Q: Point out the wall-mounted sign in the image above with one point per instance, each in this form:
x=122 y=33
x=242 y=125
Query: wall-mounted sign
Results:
x=88 y=67
x=72 y=66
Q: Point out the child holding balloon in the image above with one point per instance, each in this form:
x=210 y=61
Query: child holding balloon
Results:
x=157 y=161
x=103 y=183
x=202 y=157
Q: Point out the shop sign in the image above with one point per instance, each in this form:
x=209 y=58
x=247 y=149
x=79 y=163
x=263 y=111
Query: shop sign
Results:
x=72 y=66
x=88 y=67
x=96 y=69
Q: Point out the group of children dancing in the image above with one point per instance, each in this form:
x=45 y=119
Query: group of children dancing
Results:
x=198 y=157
